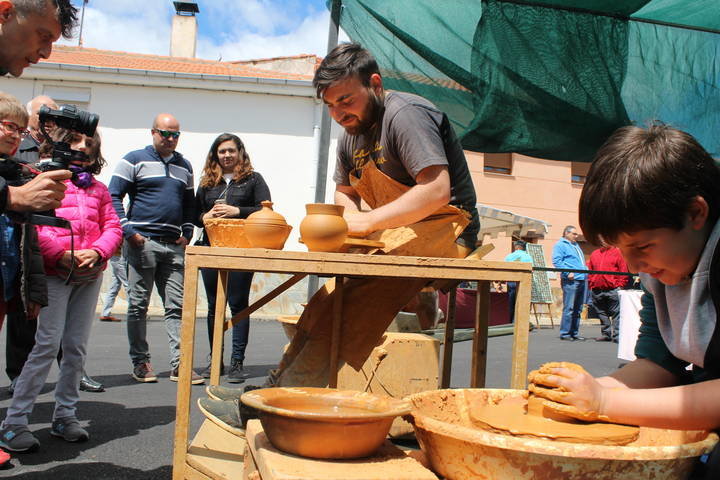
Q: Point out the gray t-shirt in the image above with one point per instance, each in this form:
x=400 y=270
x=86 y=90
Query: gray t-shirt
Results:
x=685 y=312
x=412 y=135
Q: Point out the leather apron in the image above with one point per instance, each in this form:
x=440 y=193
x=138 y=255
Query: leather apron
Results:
x=306 y=360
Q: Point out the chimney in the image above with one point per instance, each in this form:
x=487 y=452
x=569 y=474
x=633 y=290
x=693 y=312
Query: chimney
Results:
x=184 y=30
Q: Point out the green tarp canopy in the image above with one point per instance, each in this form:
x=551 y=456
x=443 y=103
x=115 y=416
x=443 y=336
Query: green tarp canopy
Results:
x=550 y=79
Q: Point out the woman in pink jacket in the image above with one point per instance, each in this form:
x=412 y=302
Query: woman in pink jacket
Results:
x=74 y=261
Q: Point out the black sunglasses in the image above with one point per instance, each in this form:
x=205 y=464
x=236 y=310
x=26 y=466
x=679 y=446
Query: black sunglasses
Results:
x=167 y=133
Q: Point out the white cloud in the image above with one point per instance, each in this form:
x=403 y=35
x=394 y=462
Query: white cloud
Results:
x=233 y=30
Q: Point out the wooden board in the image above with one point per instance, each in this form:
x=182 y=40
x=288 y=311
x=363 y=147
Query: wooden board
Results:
x=216 y=453
x=389 y=463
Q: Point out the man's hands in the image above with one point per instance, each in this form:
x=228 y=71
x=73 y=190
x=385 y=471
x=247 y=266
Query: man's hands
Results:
x=360 y=224
x=222 y=210
x=136 y=240
x=43 y=192
x=182 y=241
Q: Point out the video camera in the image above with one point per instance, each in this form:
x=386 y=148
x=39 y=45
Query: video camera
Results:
x=71 y=118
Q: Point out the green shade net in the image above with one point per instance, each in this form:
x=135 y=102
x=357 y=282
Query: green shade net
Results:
x=551 y=79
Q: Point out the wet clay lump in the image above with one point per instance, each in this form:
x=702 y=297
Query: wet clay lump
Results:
x=510 y=417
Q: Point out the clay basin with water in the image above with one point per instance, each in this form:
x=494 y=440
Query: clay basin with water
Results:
x=458 y=449
x=325 y=422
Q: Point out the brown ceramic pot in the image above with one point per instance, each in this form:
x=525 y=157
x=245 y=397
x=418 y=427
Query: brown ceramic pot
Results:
x=324 y=422
x=267 y=228
x=323 y=229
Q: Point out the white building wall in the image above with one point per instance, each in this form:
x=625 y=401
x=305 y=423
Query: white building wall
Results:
x=278 y=131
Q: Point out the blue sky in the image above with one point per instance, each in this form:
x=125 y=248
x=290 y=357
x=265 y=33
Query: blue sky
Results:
x=228 y=29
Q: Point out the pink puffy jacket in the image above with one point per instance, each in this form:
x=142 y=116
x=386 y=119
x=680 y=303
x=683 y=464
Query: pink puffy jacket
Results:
x=95 y=225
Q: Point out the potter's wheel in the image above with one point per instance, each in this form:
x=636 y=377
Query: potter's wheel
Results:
x=509 y=417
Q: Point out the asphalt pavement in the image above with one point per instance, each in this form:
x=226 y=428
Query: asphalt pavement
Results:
x=131 y=425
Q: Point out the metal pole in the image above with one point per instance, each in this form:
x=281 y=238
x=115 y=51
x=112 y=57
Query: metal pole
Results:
x=82 y=20
x=322 y=164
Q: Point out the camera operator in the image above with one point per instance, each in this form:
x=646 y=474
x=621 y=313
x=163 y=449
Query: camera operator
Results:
x=28 y=29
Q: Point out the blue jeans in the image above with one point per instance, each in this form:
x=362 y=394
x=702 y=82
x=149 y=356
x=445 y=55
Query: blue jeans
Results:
x=119 y=279
x=573 y=299
x=238 y=293
x=163 y=264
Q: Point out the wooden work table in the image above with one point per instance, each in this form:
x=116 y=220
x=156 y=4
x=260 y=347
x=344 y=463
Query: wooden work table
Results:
x=300 y=264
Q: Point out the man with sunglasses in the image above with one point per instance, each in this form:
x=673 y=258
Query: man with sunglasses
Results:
x=157 y=225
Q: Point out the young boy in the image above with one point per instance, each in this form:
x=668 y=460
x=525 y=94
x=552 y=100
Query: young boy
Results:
x=22 y=275
x=655 y=194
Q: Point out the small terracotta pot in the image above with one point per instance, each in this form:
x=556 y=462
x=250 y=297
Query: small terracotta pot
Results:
x=267 y=228
x=323 y=229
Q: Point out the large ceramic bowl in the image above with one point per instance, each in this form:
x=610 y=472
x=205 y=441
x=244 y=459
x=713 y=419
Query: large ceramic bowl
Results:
x=226 y=232
x=325 y=422
x=456 y=450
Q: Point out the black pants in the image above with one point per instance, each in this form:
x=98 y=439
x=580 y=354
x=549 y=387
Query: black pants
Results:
x=607 y=306
x=238 y=294
x=20 y=337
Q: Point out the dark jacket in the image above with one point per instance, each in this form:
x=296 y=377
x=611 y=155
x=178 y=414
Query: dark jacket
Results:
x=246 y=194
x=33 y=285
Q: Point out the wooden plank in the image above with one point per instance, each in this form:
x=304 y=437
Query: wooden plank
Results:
x=218 y=328
x=389 y=463
x=359 y=269
x=216 y=453
x=480 y=337
x=258 y=304
x=518 y=374
x=336 y=331
x=215 y=256
x=449 y=341
x=182 y=412
x=193 y=474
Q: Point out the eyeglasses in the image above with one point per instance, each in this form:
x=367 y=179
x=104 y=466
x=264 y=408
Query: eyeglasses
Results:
x=11 y=127
x=167 y=133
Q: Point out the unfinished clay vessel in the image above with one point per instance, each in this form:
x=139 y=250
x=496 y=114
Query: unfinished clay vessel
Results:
x=226 y=232
x=267 y=228
x=458 y=450
x=325 y=422
x=323 y=229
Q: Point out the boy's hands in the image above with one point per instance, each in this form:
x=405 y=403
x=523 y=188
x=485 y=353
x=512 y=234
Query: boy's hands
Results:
x=569 y=390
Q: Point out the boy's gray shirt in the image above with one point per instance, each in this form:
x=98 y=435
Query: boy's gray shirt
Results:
x=686 y=314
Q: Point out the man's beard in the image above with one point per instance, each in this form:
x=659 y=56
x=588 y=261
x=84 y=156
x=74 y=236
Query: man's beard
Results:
x=370 y=116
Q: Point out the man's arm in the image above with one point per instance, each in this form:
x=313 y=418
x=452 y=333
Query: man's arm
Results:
x=431 y=192
x=120 y=184
x=348 y=198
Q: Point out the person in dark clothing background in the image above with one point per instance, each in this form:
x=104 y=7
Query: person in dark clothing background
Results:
x=229 y=188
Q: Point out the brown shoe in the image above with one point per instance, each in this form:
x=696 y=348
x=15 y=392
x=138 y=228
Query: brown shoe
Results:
x=602 y=339
x=109 y=319
x=195 y=379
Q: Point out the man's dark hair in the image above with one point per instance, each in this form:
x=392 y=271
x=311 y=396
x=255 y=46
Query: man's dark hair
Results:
x=520 y=243
x=347 y=59
x=65 y=12
x=567 y=229
x=645 y=178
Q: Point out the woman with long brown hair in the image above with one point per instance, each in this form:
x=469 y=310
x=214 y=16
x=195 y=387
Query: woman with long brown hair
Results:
x=229 y=188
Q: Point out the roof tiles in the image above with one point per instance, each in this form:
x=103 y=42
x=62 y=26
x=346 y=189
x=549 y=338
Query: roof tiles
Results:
x=91 y=57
